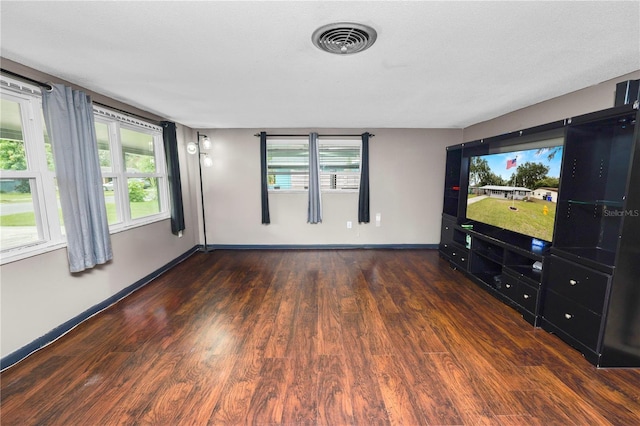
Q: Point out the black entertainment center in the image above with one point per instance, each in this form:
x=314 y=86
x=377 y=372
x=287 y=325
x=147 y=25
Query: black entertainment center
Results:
x=584 y=283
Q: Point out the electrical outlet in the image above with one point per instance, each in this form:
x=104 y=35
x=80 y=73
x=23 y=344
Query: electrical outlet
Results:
x=349 y=224
x=378 y=218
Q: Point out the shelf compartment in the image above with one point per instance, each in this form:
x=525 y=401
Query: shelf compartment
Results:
x=522 y=266
x=488 y=250
x=461 y=238
x=452 y=181
x=587 y=226
x=486 y=270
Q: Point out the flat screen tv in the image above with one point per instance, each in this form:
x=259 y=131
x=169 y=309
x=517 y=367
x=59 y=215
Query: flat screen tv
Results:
x=516 y=188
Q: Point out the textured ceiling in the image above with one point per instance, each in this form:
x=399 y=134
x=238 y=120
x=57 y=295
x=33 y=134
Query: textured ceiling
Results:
x=253 y=65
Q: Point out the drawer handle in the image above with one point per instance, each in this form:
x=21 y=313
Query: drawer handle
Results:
x=526 y=296
x=573 y=282
x=507 y=285
x=568 y=316
x=462 y=259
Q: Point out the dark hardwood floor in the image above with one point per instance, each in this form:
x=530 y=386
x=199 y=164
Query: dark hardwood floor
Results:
x=313 y=338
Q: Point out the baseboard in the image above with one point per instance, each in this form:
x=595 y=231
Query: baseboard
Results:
x=64 y=328
x=211 y=247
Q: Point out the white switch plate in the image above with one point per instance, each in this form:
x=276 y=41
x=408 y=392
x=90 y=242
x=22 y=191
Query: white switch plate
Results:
x=349 y=224
x=378 y=218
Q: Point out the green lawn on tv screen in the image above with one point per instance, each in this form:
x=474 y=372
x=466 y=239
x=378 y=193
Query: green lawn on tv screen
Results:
x=528 y=217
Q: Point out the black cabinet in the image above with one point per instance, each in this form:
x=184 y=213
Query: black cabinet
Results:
x=453 y=245
x=584 y=286
x=508 y=271
x=593 y=285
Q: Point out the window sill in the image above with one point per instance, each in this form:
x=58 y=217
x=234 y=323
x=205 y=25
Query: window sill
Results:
x=117 y=228
x=21 y=253
x=304 y=191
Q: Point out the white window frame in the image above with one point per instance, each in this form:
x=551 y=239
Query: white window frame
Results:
x=115 y=122
x=45 y=204
x=327 y=175
x=50 y=227
x=304 y=146
x=324 y=176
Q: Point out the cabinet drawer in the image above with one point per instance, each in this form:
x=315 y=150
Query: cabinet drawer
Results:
x=575 y=320
x=521 y=293
x=460 y=258
x=446 y=235
x=582 y=285
x=527 y=297
x=509 y=286
x=457 y=256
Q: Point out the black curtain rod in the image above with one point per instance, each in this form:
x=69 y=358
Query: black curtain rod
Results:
x=47 y=86
x=27 y=79
x=307 y=135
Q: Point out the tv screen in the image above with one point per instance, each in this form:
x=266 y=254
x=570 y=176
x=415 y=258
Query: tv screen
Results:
x=516 y=189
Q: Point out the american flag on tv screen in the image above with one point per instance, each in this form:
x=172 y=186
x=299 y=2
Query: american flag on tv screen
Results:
x=511 y=163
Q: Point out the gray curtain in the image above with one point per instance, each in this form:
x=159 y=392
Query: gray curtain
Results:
x=68 y=115
x=315 y=202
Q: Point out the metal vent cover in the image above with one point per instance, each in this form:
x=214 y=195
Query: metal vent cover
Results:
x=344 y=38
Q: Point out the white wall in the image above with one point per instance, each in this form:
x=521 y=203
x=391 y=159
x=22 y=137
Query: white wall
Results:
x=590 y=99
x=38 y=293
x=406 y=180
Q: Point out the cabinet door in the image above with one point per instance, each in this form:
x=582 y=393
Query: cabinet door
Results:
x=509 y=286
x=520 y=292
x=583 y=285
x=574 y=319
x=457 y=256
x=446 y=233
x=527 y=297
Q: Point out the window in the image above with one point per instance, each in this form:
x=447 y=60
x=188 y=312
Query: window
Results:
x=131 y=157
x=133 y=170
x=29 y=209
x=288 y=165
x=339 y=165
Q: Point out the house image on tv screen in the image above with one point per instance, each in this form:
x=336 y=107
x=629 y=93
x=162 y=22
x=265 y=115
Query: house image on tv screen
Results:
x=547 y=194
x=504 y=192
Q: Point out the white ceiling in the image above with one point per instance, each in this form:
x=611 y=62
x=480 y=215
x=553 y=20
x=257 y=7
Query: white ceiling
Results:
x=211 y=64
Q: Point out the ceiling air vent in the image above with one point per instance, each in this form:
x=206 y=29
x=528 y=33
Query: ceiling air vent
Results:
x=344 y=38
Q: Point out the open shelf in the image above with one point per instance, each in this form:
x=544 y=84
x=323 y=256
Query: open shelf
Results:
x=490 y=251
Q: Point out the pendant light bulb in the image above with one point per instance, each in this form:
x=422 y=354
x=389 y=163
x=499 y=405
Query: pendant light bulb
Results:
x=206 y=143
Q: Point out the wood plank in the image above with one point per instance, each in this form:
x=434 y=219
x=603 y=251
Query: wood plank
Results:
x=334 y=392
x=313 y=337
